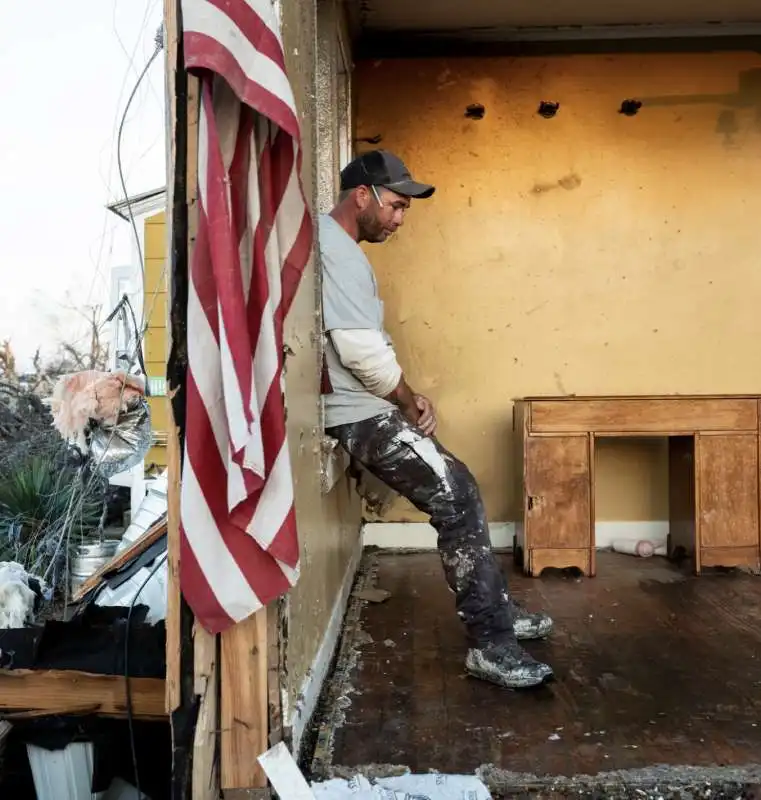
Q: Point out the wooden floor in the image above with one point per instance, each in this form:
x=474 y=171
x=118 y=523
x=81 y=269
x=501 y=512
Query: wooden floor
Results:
x=653 y=666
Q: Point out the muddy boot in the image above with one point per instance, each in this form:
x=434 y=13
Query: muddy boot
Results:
x=530 y=625
x=507 y=665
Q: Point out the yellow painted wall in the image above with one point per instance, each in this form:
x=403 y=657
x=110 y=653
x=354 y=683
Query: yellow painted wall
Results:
x=591 y=254
x=155 y=341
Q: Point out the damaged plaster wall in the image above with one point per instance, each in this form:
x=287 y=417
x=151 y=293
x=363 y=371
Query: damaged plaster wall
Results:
x=588 y=253
x=328 y=524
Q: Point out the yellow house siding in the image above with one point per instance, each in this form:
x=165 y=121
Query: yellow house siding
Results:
x=155 y=340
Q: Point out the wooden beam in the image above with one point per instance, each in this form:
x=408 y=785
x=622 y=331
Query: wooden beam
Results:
x=181 y=699
x=205 y=761
x=58 y=692
x=244 y=708
x=173 y=626
x=274 y=674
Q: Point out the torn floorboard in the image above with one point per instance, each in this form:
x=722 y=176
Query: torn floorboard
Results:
x=653 y=667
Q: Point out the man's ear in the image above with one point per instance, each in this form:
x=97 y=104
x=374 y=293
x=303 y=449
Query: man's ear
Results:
x=362 y=197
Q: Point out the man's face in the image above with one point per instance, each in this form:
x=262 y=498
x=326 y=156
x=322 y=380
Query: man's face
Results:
x=381 y=213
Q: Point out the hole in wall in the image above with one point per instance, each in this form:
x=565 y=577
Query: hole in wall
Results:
x=548 y=110
x=377 y=139
x=630 y=107
x=475 y=111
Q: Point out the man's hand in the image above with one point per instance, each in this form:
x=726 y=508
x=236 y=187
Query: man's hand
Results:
x=427 y=421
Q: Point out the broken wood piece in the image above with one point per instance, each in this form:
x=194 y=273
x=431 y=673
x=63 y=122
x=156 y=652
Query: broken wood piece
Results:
x=205 y=783
x=173 y=600
x=54 y=692
x=374 y=595
x=274 y=674
x=244 y=709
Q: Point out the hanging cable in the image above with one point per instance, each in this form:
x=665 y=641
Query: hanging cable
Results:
x=159 y=42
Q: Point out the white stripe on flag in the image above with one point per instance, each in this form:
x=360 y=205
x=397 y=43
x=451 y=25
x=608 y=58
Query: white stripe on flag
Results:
x=204 y=366
x=221 y=570
x=204 y=18
x=275 y=501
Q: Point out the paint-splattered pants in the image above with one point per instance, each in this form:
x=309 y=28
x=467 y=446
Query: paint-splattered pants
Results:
x=435 y=482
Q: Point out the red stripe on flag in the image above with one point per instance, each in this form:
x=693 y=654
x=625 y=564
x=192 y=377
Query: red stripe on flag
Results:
x=197 y=591
x=253 y=28
x=203 y=52
x=225 y=259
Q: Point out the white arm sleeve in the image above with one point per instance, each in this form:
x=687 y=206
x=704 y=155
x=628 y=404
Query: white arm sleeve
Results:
x=370 y=357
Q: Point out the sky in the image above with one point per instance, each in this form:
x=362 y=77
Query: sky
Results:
x=69 y=73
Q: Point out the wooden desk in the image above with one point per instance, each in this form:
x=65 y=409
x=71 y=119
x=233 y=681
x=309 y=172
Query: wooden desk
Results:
x=713 y=475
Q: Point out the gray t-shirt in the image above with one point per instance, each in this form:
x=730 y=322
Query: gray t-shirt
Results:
x=349 y=301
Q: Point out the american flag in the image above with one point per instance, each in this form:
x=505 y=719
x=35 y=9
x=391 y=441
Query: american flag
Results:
x=239 y=546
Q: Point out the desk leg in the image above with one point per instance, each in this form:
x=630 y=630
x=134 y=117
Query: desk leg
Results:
x=558 y=503
x=727 y=494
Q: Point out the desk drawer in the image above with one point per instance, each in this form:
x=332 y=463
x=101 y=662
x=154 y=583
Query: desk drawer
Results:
x=666 y=415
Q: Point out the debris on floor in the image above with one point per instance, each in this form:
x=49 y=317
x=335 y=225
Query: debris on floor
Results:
x=20 y=595
x=405 y=787
x=661 y=697
x=104 y=418
x=374 y=595
x=661 y=782
x=644 y=548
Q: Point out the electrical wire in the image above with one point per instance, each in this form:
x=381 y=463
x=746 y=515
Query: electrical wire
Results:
x=130 y=713
x=158 y=48
x=130 y=69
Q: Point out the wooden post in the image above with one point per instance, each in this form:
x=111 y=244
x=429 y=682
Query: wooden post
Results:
x=173 y=447
x=244 y=707
x=182 y=688
x=205 y=751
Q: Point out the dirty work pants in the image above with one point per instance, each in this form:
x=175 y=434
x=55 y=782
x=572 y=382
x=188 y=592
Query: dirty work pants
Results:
x=438 y=484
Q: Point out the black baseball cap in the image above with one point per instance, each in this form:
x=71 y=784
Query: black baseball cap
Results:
x=381 y=168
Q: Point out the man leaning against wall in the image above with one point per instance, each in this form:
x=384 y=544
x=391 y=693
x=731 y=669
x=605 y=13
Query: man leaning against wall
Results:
x=390 y=429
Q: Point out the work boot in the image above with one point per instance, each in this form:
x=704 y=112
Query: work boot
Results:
x=507 y=665
x=529 y=625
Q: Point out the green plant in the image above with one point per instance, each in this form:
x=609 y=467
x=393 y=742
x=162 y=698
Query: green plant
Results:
x=46 y=509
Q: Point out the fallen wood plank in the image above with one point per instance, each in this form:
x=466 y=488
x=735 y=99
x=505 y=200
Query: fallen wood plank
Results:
x=244 y=713
x=40 y=692
x=153 y=534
